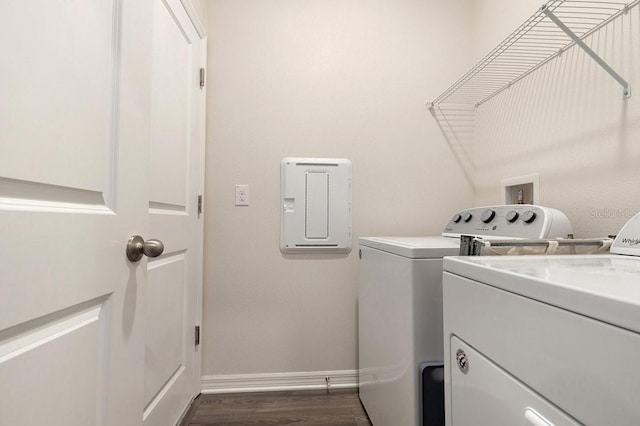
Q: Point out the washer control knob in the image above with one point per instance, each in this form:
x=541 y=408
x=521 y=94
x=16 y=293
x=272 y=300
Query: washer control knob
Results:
x=467 y=217
x=456 y=218
x=512 y=216
x=528 y=216
x=487 y=215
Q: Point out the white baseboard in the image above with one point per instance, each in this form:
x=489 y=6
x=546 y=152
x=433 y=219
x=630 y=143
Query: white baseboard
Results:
x=234 y=383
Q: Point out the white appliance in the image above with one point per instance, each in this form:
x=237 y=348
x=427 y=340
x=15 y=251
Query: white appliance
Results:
x=400 y=306
x=544 y=340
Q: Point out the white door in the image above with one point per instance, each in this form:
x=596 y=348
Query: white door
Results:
x=74 y=98
x=172 y=369
x=75 y=126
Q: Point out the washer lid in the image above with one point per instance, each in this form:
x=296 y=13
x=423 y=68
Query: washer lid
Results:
x=604 y=287
x=414 y=247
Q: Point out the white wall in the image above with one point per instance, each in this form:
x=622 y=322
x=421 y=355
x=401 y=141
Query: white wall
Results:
x=567 y=122
x=318 y=78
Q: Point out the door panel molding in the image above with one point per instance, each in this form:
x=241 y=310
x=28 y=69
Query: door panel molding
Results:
x=165 y=208
x=60 y=120
x=195 y=19
x=34 y=196
x=151 y=409
x=55 y=349
x=27 y=336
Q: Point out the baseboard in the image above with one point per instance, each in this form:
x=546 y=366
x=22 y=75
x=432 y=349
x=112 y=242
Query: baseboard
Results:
x=234 y=383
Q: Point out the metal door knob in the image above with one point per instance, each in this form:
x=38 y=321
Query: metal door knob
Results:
x=137 y=246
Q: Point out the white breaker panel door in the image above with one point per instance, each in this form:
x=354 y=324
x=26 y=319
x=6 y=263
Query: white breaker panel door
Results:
x=316 y=205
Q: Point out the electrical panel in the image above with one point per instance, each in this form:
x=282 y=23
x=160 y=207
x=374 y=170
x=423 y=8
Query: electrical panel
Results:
x=316 y=205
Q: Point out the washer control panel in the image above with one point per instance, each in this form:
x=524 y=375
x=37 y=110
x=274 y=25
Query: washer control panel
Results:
x=509 y=221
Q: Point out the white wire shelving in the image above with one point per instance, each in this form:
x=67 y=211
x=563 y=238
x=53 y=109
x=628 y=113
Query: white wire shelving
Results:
x=555 y=27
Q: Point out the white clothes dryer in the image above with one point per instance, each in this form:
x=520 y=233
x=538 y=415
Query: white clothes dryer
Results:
x=544 y=340
x=400 y=309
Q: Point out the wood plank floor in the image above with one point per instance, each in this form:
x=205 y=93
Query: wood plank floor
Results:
x=340 y=407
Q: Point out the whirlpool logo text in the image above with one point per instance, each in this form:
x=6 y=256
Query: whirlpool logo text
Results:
x=631 y=241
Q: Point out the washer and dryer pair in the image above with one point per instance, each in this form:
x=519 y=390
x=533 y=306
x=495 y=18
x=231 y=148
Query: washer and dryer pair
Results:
x=400 y=309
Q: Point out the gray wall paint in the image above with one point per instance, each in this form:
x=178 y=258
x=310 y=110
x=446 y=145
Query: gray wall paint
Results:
x=318 y=78
x=349 y=79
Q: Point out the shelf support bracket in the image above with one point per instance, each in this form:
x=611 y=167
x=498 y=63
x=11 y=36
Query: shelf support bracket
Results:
x=626 y=88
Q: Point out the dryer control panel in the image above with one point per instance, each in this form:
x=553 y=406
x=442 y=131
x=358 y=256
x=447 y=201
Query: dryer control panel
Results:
x=509 y=221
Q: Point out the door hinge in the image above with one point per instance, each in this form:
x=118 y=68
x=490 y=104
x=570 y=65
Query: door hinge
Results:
x=202 y=76
x=197 y=335
x=199 y=205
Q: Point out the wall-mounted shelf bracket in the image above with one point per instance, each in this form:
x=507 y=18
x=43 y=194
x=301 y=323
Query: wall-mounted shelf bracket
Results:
x=626 y=88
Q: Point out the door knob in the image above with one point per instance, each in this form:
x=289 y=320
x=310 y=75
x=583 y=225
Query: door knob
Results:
x=137 y=246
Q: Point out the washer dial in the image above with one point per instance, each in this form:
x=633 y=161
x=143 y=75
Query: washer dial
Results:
x=512 y=216
x=487 y=215
x=529 y=216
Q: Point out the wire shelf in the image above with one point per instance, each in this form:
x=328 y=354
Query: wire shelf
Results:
x=556 y=26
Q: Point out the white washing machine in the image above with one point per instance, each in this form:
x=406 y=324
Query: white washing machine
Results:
x=400 y=308
x=544 y=340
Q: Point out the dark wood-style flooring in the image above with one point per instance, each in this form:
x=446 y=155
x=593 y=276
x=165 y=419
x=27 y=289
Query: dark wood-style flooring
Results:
x=340 y=407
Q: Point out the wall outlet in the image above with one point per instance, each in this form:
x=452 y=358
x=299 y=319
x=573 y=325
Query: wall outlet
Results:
x=242 y=195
